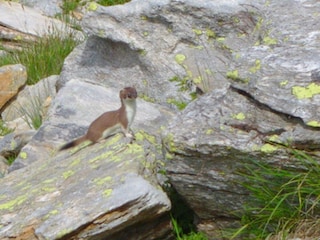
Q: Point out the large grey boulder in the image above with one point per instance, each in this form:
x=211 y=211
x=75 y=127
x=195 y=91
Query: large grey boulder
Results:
x=272 y=100
x=108 y=190
x=152 y=43
x=97 y=193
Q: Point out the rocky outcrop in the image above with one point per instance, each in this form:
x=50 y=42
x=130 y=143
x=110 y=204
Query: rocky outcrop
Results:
x=31 y=103
x=252 y=71
x=272 y=100
x=20 y=23
x=12 y=78
x=85 y=190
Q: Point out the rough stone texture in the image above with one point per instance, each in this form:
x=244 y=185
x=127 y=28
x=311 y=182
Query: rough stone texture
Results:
x=108 y=190
x=48 y=7
x=4 y=165
x=259 y=67
x=31 y=101
x=92 y=194
x=272 y=98
x=149 y=43
x=19 y=22
x=12 y=78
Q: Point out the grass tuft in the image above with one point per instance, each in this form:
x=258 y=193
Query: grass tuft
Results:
x=281 y=198
x=43 y=57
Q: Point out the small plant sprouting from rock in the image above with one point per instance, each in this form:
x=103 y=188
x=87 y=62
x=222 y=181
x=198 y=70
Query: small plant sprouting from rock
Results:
x=4 y=130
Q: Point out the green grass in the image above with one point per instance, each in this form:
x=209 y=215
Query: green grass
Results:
x=111 y=2
x=178 y=231
x=4 y=130
x=281 y=198
x=44 y=57
x=71 y=5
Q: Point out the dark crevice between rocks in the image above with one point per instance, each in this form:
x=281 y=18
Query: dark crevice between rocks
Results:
x=284 y=116
x=181 y=212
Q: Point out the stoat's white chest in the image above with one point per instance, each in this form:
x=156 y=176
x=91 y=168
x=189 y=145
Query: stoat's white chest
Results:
x=131 y=108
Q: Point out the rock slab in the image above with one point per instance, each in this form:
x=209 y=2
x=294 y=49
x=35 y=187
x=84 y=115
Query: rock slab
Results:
x=12 y=78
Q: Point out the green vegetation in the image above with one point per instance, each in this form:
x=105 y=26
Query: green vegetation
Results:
x=43 y=57
x=111 y=2
x=4 y=130
x=32 y=115
x=281 y=200
x=182 y=218
x=71 y=5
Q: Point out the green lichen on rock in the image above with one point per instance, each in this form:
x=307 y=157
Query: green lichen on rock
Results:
x=68 y=174
x=180 y=58
x=48 y=189
x=169 y=141
x=269 y=41
x=102 y=181
x=268 y=148
x=107 y=192
x=256 y=67
x=211 y=34
x=23 y=155
x=93 y=6
x=234 y=75
x=198 y=32
x=239 y=116
x=313 y=123
x=142 y=135
x=209 y=131
x=13 y=203
x=306 y=92
x=283 y=83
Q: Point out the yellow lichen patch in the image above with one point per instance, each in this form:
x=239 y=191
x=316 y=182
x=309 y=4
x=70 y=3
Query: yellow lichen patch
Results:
x=197 y=31
x=234 y=75
x=210 y=33
x=209 y=131
x=268 y=148
x=48 y=189
x=92 y=6
x=75 y=162
x=145 y=33
x=11 y=204
x=102 y=181
x=23 y=155
x=169 y=156
x=283 y=83
x=221 y=39
x=256 y=67
x=67 y=174
x=107 y=192
x=239 y=116
x=273 y=138
x=306 y=92
x=170 y=143
x=47 y=181
x=197 y=80
x=313 y=123
x=269 y=41
x=134 y=149
x=180 y=58
x=51 y=213
x=141 y=135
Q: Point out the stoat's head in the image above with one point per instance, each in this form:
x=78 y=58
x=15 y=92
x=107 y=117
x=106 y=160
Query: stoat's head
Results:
x=128 y=93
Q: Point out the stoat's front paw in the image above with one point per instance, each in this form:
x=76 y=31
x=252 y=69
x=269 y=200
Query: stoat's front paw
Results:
x=129 y=135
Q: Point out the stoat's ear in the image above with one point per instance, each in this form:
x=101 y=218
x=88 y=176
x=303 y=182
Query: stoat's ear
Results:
x=122 y=94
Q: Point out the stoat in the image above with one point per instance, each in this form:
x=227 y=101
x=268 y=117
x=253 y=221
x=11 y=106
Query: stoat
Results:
x=109 y=122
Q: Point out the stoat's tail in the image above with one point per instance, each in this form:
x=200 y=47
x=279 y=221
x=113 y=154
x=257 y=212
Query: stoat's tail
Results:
x=73 y=143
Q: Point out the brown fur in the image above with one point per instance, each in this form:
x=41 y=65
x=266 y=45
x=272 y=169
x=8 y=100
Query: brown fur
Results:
x=107 y=120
